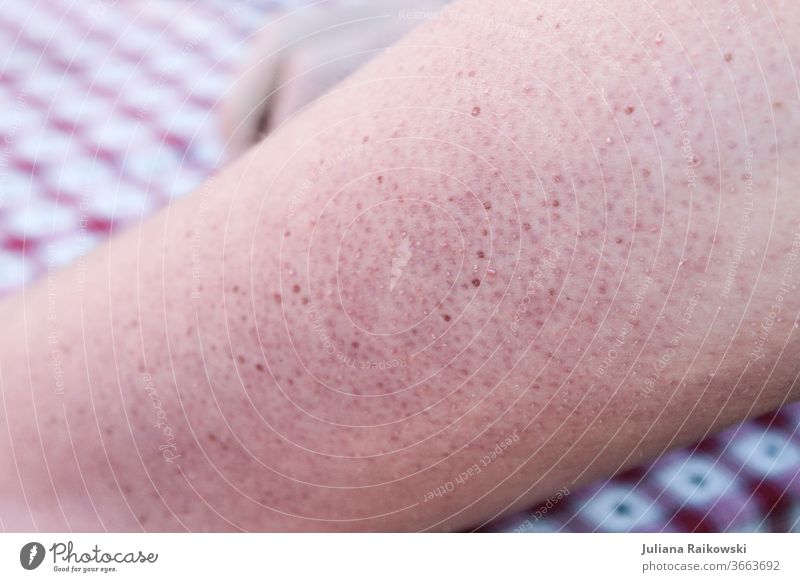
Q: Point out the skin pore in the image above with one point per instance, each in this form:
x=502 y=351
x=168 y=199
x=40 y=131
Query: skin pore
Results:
x=522 y=249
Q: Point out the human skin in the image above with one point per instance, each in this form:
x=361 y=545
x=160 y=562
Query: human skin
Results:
x=577 y=233
x=299 y=55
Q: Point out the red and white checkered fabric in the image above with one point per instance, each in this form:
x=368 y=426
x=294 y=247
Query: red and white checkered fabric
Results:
x=109 y=112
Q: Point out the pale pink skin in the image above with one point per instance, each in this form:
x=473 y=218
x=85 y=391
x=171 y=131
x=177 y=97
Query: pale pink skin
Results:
x=231 y=299
x=298 y=55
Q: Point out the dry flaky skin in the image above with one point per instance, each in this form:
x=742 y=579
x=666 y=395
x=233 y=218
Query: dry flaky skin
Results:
x=523 y=249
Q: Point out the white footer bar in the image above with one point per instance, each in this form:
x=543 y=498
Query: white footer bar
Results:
x=400 y=557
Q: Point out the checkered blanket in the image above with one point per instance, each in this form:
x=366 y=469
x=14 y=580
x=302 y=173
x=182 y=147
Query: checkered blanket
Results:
x=108 y=112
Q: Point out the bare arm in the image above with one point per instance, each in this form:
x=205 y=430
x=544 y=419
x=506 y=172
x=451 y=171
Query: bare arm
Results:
x=521 y=250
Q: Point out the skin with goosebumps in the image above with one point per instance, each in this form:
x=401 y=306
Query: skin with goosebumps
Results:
x=521 y=250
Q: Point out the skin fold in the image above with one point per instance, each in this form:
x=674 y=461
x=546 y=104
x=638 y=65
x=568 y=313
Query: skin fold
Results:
x=525 y=248
x=302 y=54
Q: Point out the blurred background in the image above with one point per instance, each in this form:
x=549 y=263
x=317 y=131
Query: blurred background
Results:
x=112 y=108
